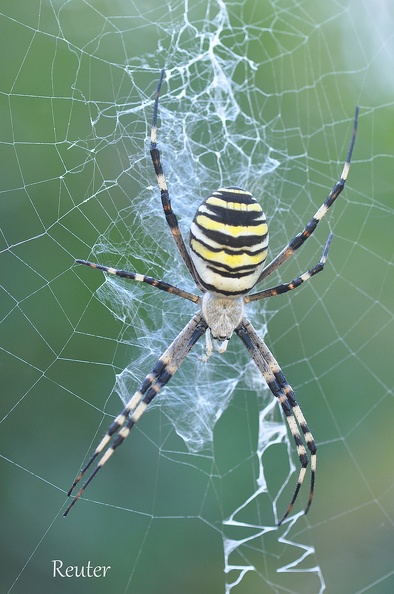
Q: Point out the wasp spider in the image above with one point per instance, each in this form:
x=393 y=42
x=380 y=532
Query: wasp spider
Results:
x=226 y=255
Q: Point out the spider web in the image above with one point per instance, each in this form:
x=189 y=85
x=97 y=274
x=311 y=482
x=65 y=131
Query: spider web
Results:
x=259 y=95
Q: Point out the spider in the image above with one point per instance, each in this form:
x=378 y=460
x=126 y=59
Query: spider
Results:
x=226 y=255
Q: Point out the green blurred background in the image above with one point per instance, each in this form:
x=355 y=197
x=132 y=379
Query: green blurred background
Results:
x=70 y=168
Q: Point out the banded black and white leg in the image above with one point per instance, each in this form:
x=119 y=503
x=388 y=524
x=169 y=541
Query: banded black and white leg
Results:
x=296 y=282
x=120 y=428
x=281 y=389
x=142 y=278
x=300 y=239
x=170 y=216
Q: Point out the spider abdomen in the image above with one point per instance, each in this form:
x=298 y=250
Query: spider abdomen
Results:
x=228 y=241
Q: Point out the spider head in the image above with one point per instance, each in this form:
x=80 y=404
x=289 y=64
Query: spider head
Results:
x=223 y=315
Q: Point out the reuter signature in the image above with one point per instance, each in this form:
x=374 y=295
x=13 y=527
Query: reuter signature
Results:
x=84 y=571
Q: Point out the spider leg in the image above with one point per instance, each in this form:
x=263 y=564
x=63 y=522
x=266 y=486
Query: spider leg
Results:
x=160 y=375
x=299 y=239
x=284 y=288
x=171 y=218
x=277 y=383
x=142 y=278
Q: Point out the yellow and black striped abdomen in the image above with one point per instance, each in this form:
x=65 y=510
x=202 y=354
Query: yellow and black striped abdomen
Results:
x=228 y=241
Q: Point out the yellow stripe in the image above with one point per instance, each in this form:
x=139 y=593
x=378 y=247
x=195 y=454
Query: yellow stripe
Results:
x=255 y=207
x=232 y=230
x=233 y=191
x=221 y=257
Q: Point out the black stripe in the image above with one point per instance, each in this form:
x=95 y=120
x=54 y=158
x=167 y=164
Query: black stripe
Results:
x=214 y=289
x=230 y=271
x=229 y=196
x=230 y=241
x=230 y=250
x=229 y=216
